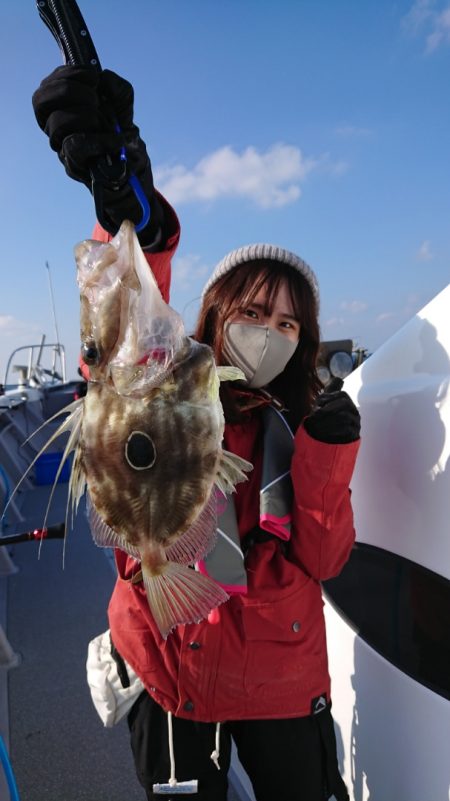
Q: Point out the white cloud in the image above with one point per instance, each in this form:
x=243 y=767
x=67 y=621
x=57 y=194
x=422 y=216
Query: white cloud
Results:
x=15 y=334
x=270 y=179
x=441 y=31
x=353 y=131
x=335 y=168
x=354 y=306
x=342 y=325
x=418 y=15
x=424 y=253
x=332 y=322
x=5 y=322
x=385 y=316
x=433 y=22
x=11 y=327
x=338 y=168
x=187 y=268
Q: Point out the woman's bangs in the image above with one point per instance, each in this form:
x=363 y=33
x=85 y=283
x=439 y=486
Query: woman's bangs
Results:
x=252 y=283
x=269 y=275
x=299 y=292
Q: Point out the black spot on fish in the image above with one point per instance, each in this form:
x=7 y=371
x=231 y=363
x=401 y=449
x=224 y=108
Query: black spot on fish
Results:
x=140 y=451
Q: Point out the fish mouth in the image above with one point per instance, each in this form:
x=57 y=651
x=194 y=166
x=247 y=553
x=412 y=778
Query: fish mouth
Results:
x=152 y=370
x=130 y=336
x=140 y=379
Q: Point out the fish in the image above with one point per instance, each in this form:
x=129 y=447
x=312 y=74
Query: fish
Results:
x=147 y=436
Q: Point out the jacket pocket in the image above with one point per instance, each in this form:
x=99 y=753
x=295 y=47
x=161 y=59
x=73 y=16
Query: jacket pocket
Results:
x=284 y=640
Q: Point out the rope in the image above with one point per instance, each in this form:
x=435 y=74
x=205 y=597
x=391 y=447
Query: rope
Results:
x=172 y=780
x=216 y=753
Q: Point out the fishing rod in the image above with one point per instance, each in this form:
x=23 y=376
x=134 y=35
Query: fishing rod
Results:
x=51 y=533
x=64 y=20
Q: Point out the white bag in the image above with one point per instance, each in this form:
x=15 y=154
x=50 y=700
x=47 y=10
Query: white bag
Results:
x=111 y=700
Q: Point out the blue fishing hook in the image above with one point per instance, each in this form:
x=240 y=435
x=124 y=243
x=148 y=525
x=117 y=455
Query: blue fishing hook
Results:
x=137 y=189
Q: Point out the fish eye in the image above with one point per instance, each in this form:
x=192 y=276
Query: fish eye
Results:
x=90 y=353
x=140 y=451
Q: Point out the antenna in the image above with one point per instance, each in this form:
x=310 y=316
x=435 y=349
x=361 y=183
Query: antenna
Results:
x=52 y=301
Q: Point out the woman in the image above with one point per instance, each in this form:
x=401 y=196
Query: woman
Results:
x=256 y=671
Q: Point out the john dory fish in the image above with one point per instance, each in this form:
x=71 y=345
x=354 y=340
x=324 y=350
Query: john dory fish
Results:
x=147 y=436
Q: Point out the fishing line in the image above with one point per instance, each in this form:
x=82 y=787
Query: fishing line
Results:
x=52 y=302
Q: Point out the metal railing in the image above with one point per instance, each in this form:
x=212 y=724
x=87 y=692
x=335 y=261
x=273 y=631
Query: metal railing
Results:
x=31 y=371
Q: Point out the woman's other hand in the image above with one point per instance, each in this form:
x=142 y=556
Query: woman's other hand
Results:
x=334 y=419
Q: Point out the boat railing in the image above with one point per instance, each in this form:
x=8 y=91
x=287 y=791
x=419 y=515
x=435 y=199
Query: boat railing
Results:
x=30 y=366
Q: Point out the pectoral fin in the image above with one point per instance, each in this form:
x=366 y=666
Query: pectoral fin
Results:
x=231 y=472
x=229 y=373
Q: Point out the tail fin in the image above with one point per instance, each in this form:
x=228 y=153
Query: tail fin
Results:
x=179 y=595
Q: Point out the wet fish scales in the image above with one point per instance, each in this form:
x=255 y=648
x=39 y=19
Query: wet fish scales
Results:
x=147 y=436
x=166 y=499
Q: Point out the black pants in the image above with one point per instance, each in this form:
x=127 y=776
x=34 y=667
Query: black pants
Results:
x=286 y=760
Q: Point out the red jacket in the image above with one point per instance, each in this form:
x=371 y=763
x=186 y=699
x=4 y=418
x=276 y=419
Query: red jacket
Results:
x=264 y=656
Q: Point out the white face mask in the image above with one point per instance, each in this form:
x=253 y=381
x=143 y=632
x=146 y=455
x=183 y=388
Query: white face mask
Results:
x=258 y=350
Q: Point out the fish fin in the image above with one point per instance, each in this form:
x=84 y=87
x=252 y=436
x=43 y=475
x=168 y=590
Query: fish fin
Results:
x=104 y=536
x=77 y=483
x=178 y=595
x=231 y=472
x=229 y=373
x=69 y=409
x=200 y=537
x=72 y=423
x=74 y=427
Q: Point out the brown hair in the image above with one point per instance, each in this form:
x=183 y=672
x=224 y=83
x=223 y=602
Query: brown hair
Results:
x=298 y=384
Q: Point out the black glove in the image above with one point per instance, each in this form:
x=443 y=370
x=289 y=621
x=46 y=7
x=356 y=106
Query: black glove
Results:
x=334 y=419
x=78 y=108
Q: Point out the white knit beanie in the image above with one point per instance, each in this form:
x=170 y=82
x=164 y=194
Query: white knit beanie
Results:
x=258 y=252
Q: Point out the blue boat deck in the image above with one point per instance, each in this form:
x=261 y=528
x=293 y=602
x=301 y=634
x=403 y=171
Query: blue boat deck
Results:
x=58 y=746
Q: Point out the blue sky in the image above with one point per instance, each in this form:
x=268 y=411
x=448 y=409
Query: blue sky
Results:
x=318 y=125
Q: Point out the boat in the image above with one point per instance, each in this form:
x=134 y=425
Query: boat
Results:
x=40 y=392
x=388 y=612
